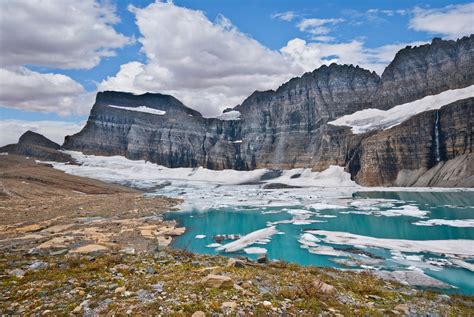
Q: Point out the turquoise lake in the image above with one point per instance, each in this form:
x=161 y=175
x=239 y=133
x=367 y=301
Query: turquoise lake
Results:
x=382 y=215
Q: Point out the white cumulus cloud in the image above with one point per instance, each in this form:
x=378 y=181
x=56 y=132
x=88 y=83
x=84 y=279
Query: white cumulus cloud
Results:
x=453 y=21
x=27 y=90
x=58 y=33
x=317 y=26
x=287 y=16
x=208 y=65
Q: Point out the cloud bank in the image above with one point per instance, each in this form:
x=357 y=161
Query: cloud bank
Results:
x=452 y=21
x=58 y=33
x=65 y=34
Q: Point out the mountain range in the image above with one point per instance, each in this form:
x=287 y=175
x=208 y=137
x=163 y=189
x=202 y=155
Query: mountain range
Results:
x=411 y=126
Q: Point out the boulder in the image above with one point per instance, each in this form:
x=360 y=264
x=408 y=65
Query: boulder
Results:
x=217 y=281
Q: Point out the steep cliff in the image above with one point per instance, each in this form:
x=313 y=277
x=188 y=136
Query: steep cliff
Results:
x=289 y=128
x=173 y=135
x=425 y=70
x=401 y=155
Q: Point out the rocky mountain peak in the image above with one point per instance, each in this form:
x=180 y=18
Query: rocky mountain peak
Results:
x=426 y=70
x=38 y=146
x=156 y=101
x=30 y=137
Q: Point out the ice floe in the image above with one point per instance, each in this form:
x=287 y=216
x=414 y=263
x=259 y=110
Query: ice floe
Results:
x=458 y=247
x=326 y=250
x=463 y=223
x=213 y=245
x=374 y=119
x=248 y=239
x=413 y=278
x=324 y=206
x=144 y=109
x=463 y=264
x=300 y=217
x=405 y=210
x=333 y=176
x=308 y=240
x=255 y=250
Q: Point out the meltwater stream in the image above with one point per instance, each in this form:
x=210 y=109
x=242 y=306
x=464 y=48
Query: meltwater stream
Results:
x=321 y=234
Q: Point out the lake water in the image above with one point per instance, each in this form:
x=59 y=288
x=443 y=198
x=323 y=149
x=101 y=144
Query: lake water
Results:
x=444 y=216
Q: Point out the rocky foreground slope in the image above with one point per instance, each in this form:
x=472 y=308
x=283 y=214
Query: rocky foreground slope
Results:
x=77 y=246
x=289 y=127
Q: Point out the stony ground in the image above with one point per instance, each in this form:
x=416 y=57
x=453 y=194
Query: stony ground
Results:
x=72 y=245
x=177 y=283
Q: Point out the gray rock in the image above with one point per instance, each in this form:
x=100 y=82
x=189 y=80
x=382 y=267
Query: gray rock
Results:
x=17 y=272
x=35 y=145
x=158 y=287
x=38 y=265
x=278 y=186
x=59 y=252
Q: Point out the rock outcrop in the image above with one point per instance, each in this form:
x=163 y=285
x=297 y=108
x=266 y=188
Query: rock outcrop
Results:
x=38 y=146
x=288 y=127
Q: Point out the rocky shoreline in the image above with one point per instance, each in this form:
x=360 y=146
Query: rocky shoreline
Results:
x=72 y=245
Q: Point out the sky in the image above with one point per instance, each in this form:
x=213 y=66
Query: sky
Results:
x=55 y=55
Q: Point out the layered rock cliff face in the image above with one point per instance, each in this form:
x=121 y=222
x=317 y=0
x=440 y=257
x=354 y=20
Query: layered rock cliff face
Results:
x=401 y=155
x=424 y=70
x=179 y=137
x=289 y=127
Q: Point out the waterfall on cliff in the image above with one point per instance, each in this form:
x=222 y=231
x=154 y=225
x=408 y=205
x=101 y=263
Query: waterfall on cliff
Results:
x=436 y=140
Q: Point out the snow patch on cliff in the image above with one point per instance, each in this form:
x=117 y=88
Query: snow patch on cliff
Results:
x=376 y=119
x=141 y=109
x=230 y=115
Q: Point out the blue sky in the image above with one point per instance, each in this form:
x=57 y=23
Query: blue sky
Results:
x=211 y=54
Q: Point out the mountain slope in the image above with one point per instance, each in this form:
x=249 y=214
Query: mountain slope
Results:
x=288 y=127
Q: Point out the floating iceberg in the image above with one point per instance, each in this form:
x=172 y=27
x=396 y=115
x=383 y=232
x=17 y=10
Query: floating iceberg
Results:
x=248 y=239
